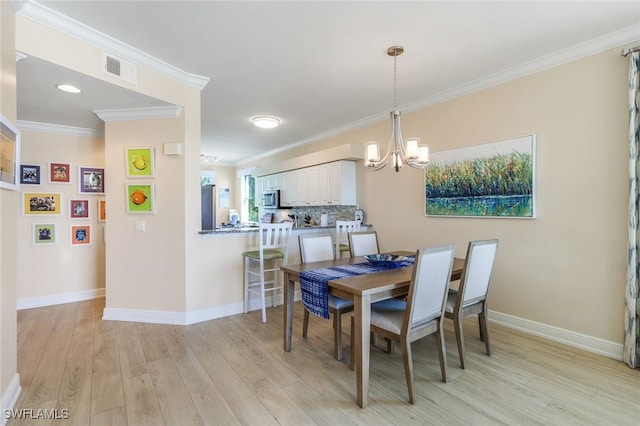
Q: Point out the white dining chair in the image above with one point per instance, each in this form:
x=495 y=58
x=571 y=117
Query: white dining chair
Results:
x=362 y=243
x=316 y=248
x=264 y=264
x=470 y=299
x=343 y=227
x=422 y=314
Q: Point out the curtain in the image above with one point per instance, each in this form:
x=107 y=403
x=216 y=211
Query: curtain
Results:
x=631 y=353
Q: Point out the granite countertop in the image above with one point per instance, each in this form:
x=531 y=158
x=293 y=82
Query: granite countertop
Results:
x=242 y=229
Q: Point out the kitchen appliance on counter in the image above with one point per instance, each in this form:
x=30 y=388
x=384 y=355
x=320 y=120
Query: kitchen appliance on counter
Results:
x=208 y=206
x=234 y=217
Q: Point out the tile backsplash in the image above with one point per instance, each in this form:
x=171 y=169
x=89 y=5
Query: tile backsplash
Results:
x=334 y=213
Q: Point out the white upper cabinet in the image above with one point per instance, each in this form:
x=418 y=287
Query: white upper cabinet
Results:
x=342 y=183
x=330 y=184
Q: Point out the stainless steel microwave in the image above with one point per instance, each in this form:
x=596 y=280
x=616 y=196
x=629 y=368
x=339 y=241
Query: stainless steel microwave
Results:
x=271 y=199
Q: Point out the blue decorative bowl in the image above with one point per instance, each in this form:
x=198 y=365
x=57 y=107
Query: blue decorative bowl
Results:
x=389 y=260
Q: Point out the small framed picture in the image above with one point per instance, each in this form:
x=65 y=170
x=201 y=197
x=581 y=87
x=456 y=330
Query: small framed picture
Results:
x=102 y=210
x=140 y=198
x=44 y=233
x=41 y=203
x=29 y=174
x=140 y=162
x=78 y=209
x=91 y=180
x=80 y=235
x=59 y=173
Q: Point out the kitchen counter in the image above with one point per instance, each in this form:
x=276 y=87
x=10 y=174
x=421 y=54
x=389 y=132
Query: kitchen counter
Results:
x=244 y=229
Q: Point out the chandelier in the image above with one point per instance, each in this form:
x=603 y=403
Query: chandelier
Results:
x=399 y=151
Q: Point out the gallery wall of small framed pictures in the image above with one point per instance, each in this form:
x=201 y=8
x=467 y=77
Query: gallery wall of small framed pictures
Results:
x=140 y=163
x=39 y=203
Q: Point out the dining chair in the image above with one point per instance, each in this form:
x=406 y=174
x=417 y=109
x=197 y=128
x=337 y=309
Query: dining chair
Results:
x=273 y=250
x=470 y=299
x=362 y=243
x=343 y=227
x=422 y=314
x=316 y=248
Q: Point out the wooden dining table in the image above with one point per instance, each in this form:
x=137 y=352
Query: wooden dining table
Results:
x=363 y=290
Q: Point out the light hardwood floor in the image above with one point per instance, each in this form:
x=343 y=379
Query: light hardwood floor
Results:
x=234 y=371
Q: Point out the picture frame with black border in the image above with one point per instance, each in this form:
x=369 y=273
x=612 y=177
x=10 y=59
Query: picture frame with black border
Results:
x=30 y=174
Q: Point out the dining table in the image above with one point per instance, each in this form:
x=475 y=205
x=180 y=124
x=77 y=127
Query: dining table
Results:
x=363 y=290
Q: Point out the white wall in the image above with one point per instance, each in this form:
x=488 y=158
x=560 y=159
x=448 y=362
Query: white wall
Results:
x=145 y=270
x=9 y=203
x=57 y=272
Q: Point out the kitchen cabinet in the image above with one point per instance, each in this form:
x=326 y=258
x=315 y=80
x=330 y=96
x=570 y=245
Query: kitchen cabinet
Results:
x=313 y=186
x=284 y=182
x=329 y=184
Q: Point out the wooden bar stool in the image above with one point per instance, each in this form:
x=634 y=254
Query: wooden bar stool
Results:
x=274 y=243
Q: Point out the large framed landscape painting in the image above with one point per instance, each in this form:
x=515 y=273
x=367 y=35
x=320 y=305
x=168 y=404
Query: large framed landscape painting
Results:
x=495 y=179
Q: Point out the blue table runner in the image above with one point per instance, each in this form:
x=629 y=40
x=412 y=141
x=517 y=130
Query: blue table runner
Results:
x=315 y=288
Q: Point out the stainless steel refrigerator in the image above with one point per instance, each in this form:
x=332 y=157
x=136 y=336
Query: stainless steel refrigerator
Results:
x=208 y=201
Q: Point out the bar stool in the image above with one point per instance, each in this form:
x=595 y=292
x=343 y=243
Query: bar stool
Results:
x=274 y=243
x=343 y=227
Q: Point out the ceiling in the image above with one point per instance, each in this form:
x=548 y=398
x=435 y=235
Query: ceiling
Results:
x=320 y=66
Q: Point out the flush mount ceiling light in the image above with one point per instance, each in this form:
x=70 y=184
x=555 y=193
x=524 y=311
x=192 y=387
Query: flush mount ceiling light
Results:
x=399 y=151
x=266 y=122
x=68 y=88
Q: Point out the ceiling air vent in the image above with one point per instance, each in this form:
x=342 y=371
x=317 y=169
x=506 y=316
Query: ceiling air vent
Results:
x=118 y=68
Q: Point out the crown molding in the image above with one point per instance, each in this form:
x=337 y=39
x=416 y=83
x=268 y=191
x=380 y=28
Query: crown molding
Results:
x=32 y=126
x=598 y=45
x=42 y=14
x=125 y=114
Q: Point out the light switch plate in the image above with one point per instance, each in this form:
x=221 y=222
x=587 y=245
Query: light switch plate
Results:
x=140 y=226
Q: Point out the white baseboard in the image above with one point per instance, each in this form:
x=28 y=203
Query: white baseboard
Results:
x=571 y=338
x=58 y=299
x=10 y=397
x=186 y=318
x=173 y=318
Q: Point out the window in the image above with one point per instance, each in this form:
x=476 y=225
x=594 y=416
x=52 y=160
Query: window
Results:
x=249 y=210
